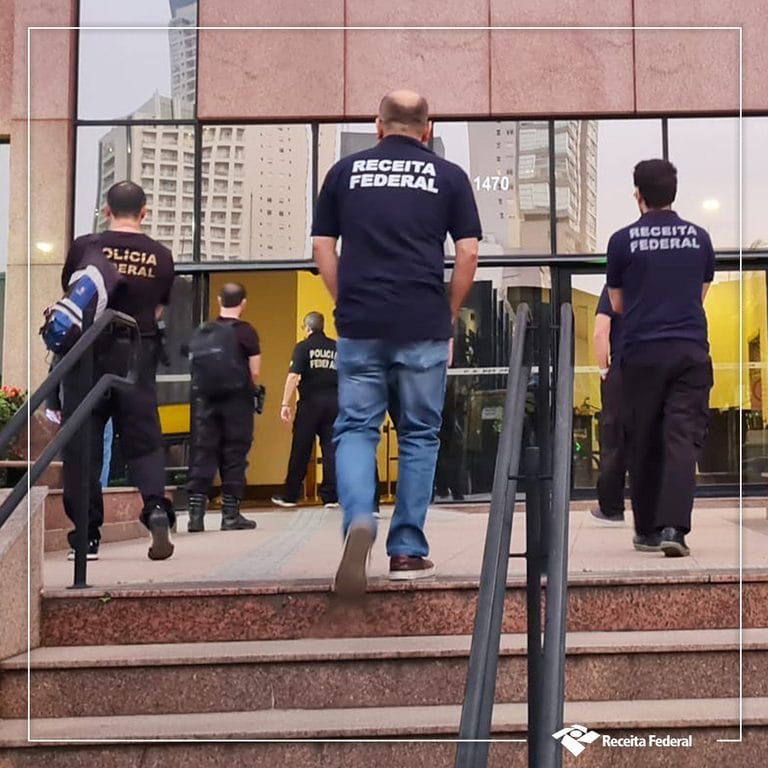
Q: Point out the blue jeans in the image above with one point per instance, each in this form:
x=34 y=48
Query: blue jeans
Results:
x=417 y=372
x=107 y=455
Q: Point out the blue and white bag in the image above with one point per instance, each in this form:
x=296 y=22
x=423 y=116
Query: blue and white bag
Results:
x=88 y=293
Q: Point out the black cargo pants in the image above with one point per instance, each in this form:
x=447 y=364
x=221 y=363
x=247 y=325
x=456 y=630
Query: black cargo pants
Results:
x=136 y=423
x=666 y=388
x=222 y=433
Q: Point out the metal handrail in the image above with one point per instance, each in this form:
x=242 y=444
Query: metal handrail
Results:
x=67 y=363
x=549 y=752
x=79 y=358
x=483 y=661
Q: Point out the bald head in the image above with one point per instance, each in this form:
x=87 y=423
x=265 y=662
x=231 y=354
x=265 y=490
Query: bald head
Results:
x=404 y=112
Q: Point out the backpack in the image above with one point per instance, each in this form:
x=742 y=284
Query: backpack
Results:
x=218 y=365
x=87 y=295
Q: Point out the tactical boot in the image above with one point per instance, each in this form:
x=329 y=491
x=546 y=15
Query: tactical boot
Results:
x=196 y=506
x=231 y=519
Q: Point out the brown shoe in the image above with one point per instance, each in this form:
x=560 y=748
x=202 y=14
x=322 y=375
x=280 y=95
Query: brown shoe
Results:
x=406 y=568
x=351 y=578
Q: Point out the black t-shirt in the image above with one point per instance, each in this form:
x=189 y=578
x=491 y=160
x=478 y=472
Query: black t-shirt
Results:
x=246 y=336
x=661 y=263
x=604 y=308
x=145 y=266
x=314 y=359
x=392 y=207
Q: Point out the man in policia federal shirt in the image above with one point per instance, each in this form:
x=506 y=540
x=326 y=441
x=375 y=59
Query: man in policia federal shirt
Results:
x=659 y=270
x=392 y=207
x=147 y=270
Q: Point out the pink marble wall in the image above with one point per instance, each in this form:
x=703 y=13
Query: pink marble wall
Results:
x=13 y=575
x=271 y=74
x=479 y=73
x=6 y=64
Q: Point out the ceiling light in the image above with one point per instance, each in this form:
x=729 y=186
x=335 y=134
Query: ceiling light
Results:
x=711 y=205
x=44 y=247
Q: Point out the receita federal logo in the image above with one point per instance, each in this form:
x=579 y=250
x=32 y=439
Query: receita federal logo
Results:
x=575 y=738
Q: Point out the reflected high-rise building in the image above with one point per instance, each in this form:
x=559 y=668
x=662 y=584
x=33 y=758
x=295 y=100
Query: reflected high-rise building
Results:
x=162 y=160
x=182 y=37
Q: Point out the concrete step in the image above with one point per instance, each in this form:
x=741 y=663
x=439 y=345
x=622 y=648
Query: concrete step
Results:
x=443 y=606
x=367 y=672
x=700 y=722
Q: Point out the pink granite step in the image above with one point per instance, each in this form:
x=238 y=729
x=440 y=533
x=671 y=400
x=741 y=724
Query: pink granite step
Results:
x=702 y=721
x=366 y=672
x=269 y=611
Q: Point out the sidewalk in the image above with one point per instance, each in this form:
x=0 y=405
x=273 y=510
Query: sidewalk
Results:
x=305 y=543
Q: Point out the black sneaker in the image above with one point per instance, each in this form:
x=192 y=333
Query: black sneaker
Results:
x=159 y=528
x=91 y=554
x=282 y=502
x=647 y=542
x=672 y=543
x=601 y=517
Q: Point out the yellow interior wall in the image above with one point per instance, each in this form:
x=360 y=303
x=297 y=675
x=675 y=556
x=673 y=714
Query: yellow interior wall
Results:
x=271 y=309
x=586 y=386
x=722 y=308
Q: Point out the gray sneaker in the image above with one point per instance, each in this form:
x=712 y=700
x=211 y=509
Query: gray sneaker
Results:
x=351 y=578
x=601 y=517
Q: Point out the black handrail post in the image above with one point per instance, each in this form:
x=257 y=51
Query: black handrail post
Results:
x=85 y=382
x=483 y=660
x=549 y=752
x=533 y=499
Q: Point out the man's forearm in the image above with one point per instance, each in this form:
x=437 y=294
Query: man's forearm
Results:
x=289 y=389
x=463 y=276
x=324 y=254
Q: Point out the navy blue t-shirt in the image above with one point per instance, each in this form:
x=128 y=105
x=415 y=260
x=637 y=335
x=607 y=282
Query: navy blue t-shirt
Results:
x=661 y=262
x=392 y=207
x=604 y=308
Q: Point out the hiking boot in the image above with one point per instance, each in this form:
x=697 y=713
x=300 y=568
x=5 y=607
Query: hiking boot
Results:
x=231 y=519
x=407 y=568
x=92 y=553
x=283 y=502
x=351 y=578
x=672 y=543
x=157 y=519
x=196 y=506
x=647 y=542
x=602 y=517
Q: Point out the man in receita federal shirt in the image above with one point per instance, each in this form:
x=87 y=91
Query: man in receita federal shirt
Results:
x=659 y=270
x=392 y=206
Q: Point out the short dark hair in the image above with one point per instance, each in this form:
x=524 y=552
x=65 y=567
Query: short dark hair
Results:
x=314 y=321
x=656 y=180
x=232 y=295
x=412 y=115
x=126 y=199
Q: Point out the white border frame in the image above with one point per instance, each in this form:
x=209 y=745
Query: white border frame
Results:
x=381 y=29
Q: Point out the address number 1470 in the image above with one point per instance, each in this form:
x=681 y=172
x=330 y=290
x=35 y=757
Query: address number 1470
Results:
x=492 y=183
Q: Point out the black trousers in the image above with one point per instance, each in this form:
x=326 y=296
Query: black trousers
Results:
x=315 y=415
x=613 y=460
x=666 y=396
x=222 y=433
x=136 y=423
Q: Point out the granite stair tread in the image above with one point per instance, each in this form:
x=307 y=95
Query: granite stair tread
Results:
x=338 y=649
x=385 y=722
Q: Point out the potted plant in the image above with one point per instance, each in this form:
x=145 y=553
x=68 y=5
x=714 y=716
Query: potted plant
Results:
x=11 y=400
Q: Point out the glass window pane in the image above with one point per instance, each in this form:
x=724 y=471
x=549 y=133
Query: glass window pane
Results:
x=706 y=153
x=256 y=193
x=755 y=165
x=142 y=154
x=508 y=165
x=137 y=73
x=593 y=168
